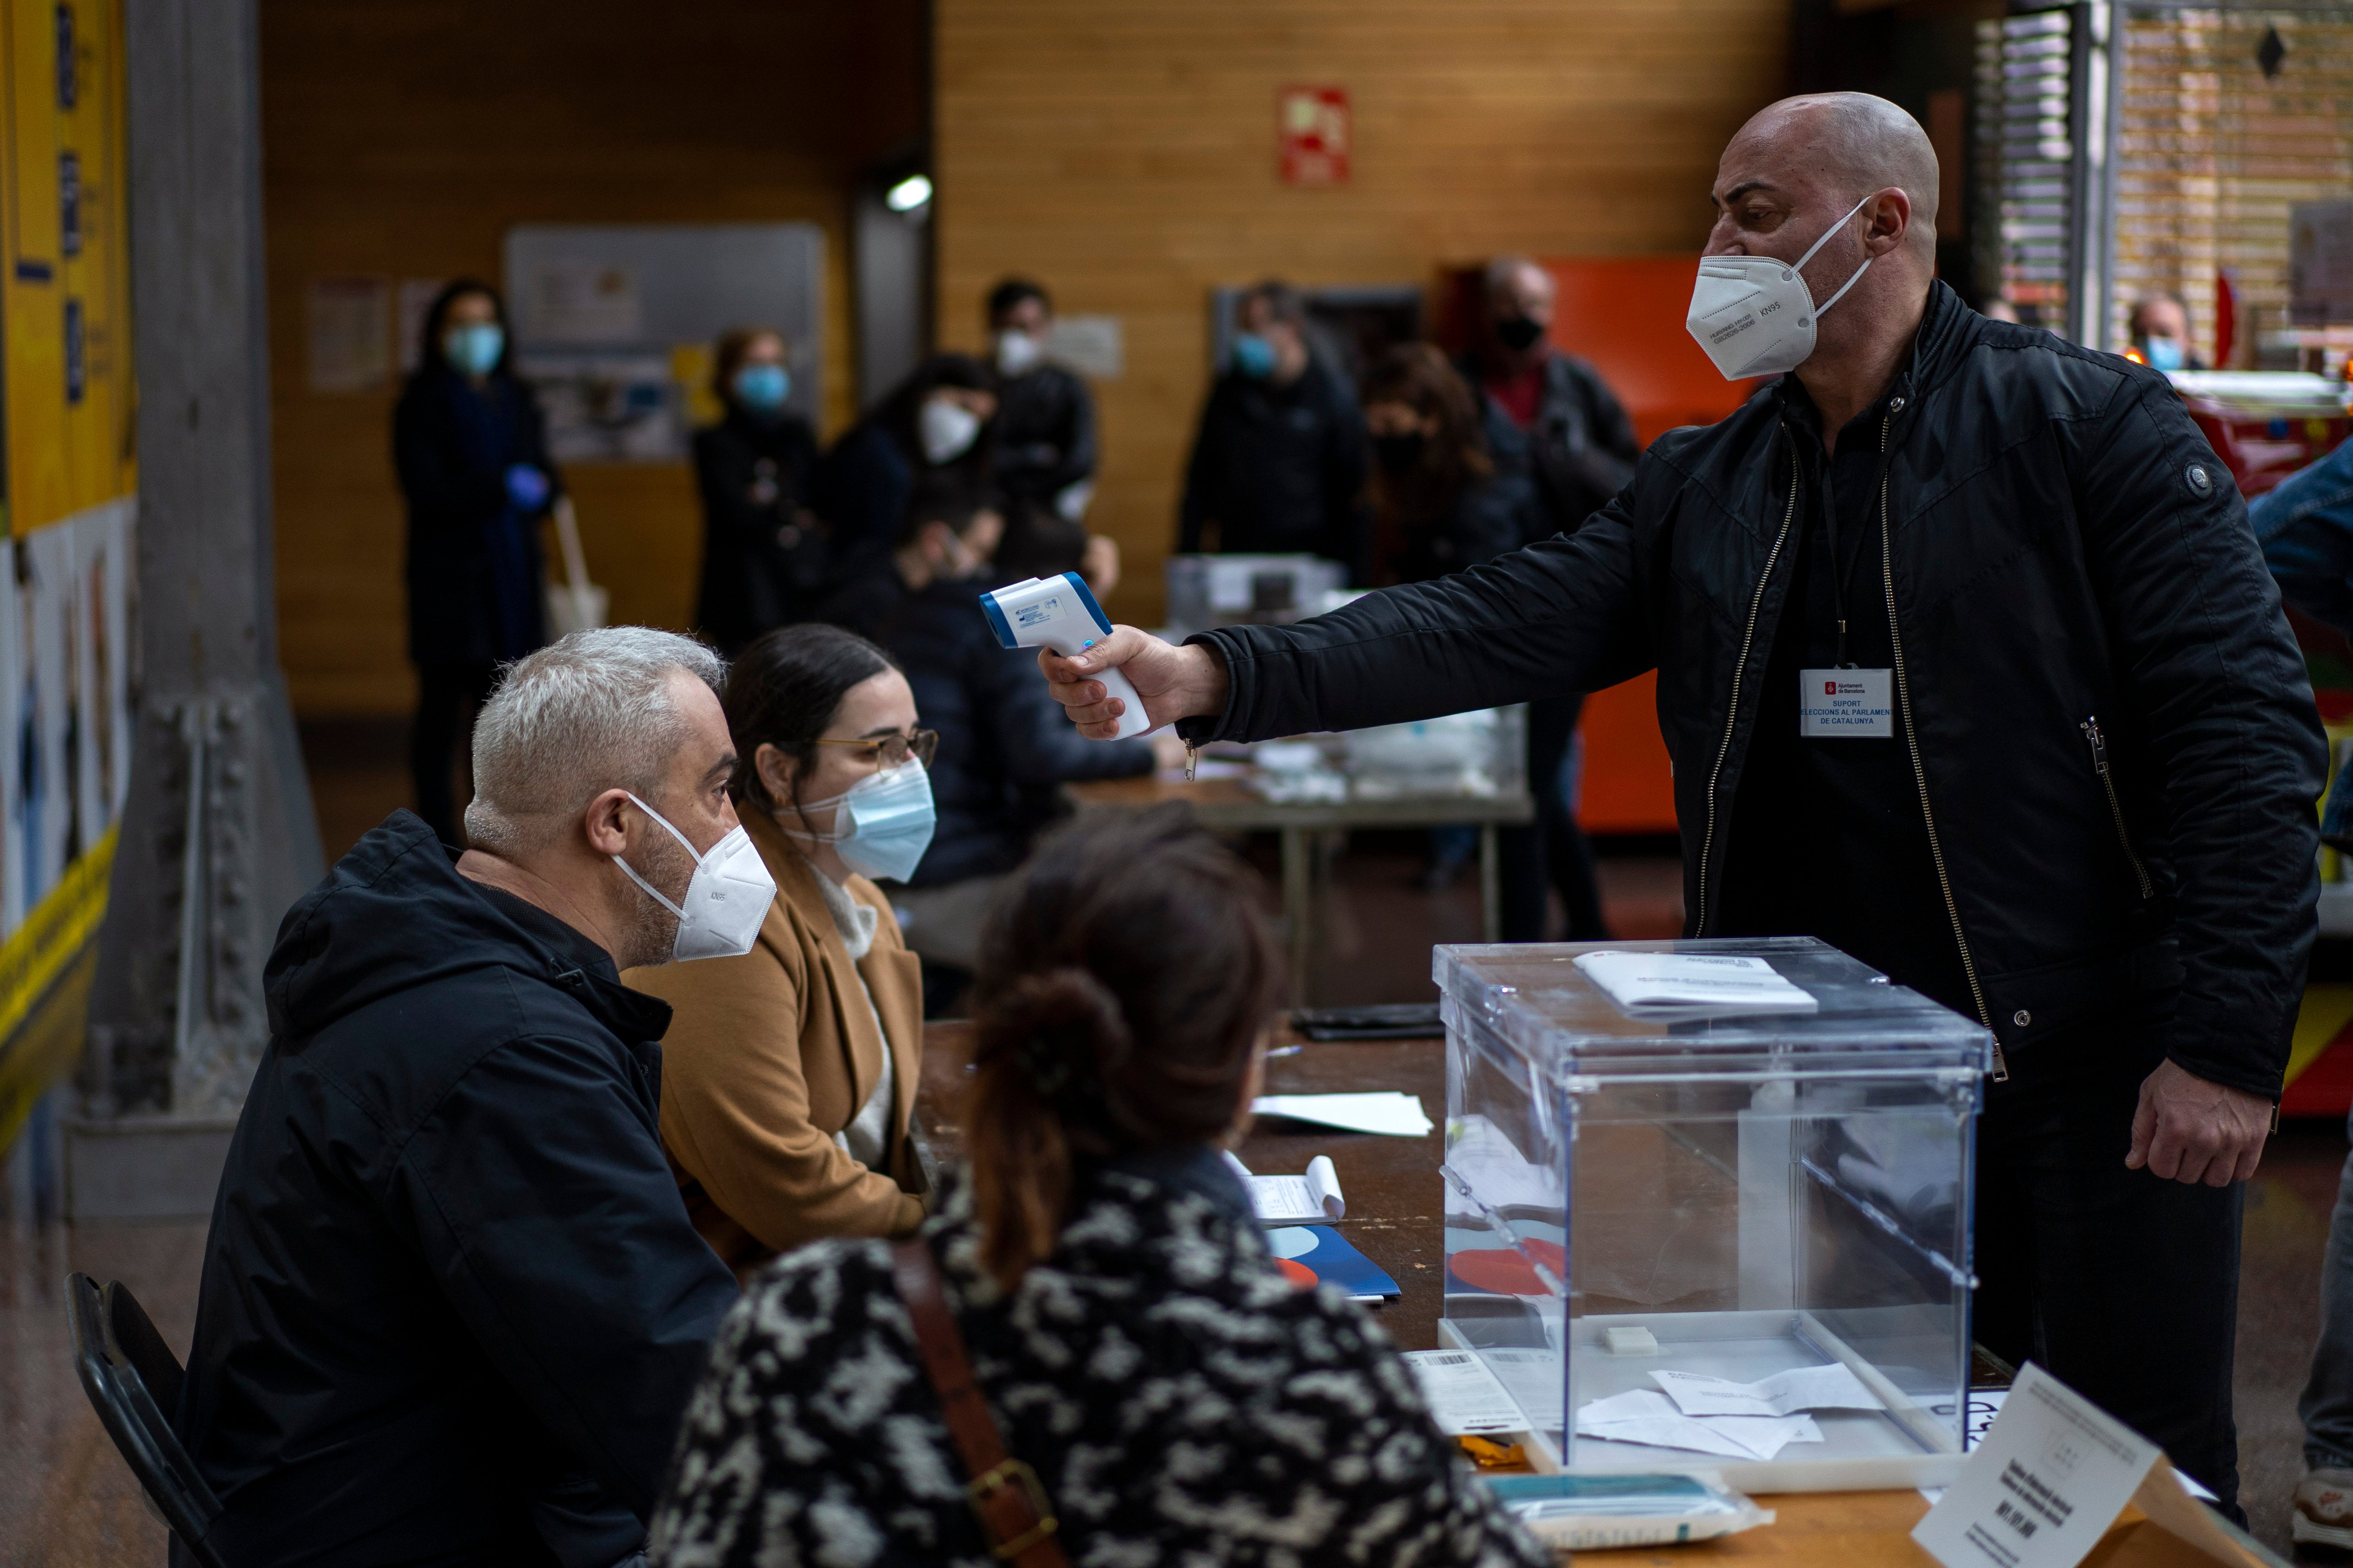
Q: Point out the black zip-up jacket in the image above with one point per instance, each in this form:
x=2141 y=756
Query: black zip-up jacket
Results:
x=1580 y=451
x=2062 y=549
x=450 y=1278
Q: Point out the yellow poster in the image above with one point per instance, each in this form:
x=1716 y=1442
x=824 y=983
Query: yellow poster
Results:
x=65 y=301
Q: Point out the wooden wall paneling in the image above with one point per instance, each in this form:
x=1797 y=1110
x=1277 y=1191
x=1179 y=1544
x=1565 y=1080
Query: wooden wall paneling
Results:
x=1125 y=155
x=403 y=138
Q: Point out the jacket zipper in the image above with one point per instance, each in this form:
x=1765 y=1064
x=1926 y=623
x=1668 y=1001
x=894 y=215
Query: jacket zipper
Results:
x=1919 y=769
x=1739 y=668
x=2091 y=727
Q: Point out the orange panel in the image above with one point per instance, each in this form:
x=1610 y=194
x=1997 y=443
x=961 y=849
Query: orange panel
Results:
x=1628 y=787
x=1625 y=314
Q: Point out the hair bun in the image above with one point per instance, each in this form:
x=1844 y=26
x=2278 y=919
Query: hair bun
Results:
x=1066 y=1001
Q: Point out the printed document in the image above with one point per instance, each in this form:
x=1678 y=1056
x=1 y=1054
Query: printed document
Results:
x=1667 y=987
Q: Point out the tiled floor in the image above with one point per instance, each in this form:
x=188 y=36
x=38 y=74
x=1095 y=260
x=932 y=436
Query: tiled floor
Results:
x=66 y=1501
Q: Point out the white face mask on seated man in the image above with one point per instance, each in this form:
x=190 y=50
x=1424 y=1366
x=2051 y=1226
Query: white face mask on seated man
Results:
x=727 y=899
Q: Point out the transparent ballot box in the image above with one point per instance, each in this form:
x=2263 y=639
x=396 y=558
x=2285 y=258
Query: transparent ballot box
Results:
x=1751 y=1176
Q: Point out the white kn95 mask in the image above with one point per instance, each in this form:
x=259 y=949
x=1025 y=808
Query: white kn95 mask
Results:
x=1754 y=315
x=725 y=901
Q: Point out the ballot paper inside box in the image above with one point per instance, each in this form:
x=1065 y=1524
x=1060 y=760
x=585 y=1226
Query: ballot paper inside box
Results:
x=1748 y=1189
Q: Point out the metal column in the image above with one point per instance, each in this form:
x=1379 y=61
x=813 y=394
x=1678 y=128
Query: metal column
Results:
x=217 y=837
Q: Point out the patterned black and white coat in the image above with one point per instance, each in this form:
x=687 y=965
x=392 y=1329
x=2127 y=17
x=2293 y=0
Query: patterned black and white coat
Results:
x=1182 y=1401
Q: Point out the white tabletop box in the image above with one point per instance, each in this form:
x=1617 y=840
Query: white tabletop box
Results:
x=1731 y=1160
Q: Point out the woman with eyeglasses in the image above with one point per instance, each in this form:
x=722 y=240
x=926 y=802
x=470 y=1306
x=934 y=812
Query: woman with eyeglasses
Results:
x=790 y=1074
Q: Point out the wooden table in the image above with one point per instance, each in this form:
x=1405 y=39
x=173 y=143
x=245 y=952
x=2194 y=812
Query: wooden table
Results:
x=1228 y=805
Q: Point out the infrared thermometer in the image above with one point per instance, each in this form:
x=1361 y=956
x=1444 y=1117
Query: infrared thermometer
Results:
x=1061 y=613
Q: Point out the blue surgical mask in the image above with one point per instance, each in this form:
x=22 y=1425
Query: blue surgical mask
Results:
x=883 y=824
x=474 y=348
x=2164 y=353
x=1253 y=356
x=763 y=388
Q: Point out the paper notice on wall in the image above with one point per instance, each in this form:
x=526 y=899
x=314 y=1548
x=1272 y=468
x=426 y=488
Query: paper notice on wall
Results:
x=350 y=324
x=1094 y=346
x=2320 y=262
x=570 y=301
x=416 y=297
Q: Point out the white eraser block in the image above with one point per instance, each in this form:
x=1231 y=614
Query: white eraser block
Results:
x=1632 y=1341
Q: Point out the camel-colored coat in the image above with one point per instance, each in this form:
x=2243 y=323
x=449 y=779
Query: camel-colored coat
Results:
x=772 y=1054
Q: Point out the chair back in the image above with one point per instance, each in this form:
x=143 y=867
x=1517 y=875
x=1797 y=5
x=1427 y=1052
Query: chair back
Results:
x=133 y=1380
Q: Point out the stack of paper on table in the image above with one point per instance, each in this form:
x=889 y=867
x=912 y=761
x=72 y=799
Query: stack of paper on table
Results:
x=1294 y=1200
x=1667 y=987
x=1714 y=1416
x=1390 y=1112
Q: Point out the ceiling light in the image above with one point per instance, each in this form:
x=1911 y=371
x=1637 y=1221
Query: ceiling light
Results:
x=908 y=195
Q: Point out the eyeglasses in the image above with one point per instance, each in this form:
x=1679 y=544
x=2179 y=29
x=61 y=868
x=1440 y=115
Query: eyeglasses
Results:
x=892 y=751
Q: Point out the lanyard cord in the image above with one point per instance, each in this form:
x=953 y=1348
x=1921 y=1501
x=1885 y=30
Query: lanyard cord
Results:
x=1841 y=571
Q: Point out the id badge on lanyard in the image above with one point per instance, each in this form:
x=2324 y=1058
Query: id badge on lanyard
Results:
x=1847 y=703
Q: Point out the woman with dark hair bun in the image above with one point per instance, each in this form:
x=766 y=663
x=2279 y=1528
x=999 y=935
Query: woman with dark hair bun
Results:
x=470 y=449
x=790 y=1074
x=1097 y=1298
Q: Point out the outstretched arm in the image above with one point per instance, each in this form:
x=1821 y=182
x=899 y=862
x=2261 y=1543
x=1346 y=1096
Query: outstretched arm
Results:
x=1561 y=615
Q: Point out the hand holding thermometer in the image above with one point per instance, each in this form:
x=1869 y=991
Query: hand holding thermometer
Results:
x=1061 y=613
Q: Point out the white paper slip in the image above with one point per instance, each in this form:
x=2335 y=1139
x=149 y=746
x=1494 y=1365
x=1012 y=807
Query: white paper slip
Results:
x=1641 y=1416
x=1390 y=1112
x=1463 y=1396
x=1311 y=1199
x=1666 y=987
x=1832 y=1387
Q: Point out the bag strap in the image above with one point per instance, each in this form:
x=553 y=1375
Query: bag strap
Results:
x=1016 y=1518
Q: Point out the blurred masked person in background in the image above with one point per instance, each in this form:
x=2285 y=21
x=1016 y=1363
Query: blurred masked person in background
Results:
x=1557 y=429
x=1437 y=506
x=1044 y=437
x=2160 y=333
x=764 y=555
x=1278 y=465
x=470 y=449
x=933 y=426
x=788 y=1075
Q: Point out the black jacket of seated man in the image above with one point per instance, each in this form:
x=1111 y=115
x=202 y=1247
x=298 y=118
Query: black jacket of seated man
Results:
x=451 y=1299
x=2055 y=550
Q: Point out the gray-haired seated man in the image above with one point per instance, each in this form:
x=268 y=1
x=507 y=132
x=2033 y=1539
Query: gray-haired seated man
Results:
x=452 y=1306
